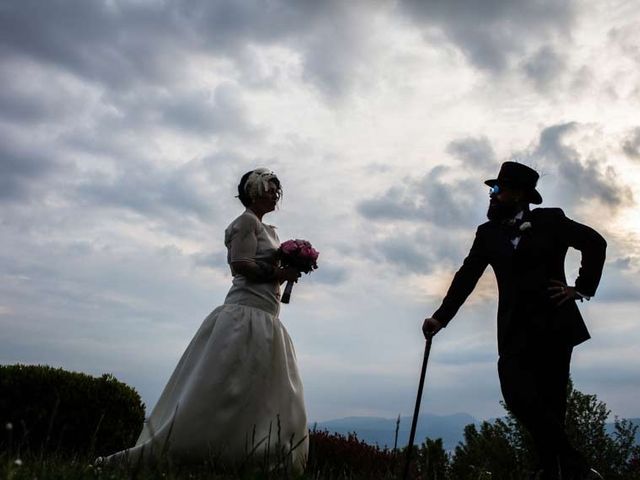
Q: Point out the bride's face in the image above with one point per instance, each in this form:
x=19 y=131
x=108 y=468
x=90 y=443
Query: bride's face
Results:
x=268 y=201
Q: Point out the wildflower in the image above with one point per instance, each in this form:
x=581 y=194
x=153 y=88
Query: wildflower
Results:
x=18 y=462
x=9 y=426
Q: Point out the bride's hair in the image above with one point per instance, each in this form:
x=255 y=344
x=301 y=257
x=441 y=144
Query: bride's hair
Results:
x=254 y=183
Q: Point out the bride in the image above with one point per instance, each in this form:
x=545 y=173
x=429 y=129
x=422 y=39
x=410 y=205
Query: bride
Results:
x=236 y=394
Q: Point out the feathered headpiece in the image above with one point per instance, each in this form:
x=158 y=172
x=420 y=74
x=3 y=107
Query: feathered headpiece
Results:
x=258 y=183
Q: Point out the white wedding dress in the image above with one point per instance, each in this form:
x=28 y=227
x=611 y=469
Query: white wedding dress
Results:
x=236 y=394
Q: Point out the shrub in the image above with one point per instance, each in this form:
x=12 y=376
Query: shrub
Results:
x=53 y=410
x=487 y=452
x=431 y=460
x=332 y=455
x=503 y=449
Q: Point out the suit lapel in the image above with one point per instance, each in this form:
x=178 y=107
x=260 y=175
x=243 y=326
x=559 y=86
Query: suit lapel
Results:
x=501 y=238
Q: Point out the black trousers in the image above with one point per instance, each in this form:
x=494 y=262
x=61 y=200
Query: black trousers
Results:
x=534 y=387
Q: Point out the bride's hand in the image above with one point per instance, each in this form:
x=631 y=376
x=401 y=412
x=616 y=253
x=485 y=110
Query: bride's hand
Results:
x=288 y=274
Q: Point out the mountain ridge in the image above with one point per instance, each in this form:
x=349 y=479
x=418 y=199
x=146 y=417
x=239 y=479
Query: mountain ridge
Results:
x=381 y=431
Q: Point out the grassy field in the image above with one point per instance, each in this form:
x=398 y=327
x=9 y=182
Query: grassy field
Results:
x=52 y=468
x=331 y=457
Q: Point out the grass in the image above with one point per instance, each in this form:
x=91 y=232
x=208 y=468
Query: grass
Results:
x=331 y=457
x=55 y=468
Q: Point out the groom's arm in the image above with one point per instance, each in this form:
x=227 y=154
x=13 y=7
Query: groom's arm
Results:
x=592 y=247
x=464 y=281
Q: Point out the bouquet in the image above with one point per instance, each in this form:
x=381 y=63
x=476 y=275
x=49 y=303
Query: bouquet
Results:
x=298 y=254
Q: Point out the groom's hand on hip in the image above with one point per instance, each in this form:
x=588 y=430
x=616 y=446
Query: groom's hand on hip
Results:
x=431 y=326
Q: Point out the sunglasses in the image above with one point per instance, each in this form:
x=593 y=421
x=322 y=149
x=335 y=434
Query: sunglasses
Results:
x=495 y=190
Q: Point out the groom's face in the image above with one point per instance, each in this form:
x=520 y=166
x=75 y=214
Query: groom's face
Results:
x=504 y=202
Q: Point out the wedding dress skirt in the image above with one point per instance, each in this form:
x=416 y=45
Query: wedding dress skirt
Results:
x=235 y=395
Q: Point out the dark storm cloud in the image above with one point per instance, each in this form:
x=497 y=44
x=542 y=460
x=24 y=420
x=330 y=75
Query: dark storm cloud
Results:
x=618 y=281
x=24 y=172
x=622 y=263
x=110 y=43
x=430 y=199
x=631 y=145
x=16 y=172
x=220 y=111
x=151 y=192
x=581 y=178
x=489 y=33
x=183 y=200
x=225 y=112
x=436 y=199
x=22 y=101
x=122 y=44
x=619 y=287
x=329 y=274
x=445 y=209
x=543 y=67
x=396 y=203
x=405 y=253
x=216 y=260
x=328 y=35
x=423 y=251
x=476 y=153
x=625 y=38
x=26 y=109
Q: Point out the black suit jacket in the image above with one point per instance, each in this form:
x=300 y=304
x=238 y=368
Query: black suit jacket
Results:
x=526 y=314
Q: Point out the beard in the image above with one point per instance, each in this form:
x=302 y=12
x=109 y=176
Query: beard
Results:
x=499 y=212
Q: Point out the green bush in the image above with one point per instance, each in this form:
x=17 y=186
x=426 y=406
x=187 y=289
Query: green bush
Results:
x=44 y=409
x=332 y=455
x=503 y=449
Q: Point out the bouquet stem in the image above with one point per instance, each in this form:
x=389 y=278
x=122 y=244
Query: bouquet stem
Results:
x=286 y=296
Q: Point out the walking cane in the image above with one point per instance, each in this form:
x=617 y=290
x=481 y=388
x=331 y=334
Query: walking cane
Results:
x=412 y=435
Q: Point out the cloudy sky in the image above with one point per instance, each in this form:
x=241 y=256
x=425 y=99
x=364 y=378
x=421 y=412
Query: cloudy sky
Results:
x=126 y=125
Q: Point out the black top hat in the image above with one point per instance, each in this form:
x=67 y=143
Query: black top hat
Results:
x=517 y=175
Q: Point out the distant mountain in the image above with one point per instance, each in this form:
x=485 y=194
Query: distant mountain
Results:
x=381 y=431
x=636 y=421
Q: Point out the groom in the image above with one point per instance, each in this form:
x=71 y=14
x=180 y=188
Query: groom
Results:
x=538 y=320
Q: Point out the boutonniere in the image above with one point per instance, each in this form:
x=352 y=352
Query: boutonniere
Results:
x=525 y=226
